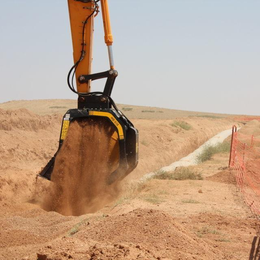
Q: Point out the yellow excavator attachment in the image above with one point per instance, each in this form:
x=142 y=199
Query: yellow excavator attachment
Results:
x=96 y=110
x=121 y=141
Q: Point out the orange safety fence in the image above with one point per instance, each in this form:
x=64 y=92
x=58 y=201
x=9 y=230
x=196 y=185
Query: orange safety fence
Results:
x=245 y=160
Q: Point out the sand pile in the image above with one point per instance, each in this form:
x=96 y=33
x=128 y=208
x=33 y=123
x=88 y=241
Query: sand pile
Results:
x=87 y=157
x=139 y=234
x=151 y=229
x=25 y=120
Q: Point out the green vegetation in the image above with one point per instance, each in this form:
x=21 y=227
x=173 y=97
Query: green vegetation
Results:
x=86 y=221
x=210 y=150
x=127 y=108
x=76 y=228
x=73 y=231
x=220 y=237
x=148 y=111
x=180 y=173
x=223 y=240
x=181 y=124
x=208 y=116
x=207 y=230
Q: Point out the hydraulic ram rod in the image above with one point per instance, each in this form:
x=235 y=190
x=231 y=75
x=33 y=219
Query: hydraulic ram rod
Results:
x=108 y=32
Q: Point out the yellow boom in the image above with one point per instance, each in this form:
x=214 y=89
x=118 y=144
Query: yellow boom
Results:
x=82 y=15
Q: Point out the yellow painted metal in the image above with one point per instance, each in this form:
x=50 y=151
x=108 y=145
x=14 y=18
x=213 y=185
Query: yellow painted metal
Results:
x=106 y=23
x=79 y=12
x=113 y=120
x=65 y=128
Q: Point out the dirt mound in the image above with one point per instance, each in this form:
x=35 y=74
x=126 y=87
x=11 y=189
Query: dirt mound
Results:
x=86 y=159
x=224 y=176
x=139 y=234
x=251 y=128
x=119 y=251
x=150 y=229
x=97 y=251
x=25 y=120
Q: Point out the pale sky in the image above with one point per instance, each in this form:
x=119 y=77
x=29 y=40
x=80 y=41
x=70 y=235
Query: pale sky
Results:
x=190 y=55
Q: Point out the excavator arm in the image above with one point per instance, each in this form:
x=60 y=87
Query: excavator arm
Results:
x=82 y=15
x=96 y=108
x=84 y=12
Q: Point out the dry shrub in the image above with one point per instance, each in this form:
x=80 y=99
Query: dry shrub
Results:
x=180 y=173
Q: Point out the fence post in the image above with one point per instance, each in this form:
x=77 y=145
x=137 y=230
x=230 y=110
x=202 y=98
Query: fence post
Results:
x=233 y=147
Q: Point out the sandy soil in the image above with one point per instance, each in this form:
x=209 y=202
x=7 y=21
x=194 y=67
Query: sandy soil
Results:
x=159 y=219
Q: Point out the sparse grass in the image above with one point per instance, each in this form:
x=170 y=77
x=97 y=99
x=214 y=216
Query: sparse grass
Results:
x=76 y=228
x=206 y=154
x=148 y=111
x=209 y=151
x=73 y=231
x=83 y=222
x=133 y=189
x=190 y=201
x=57 y=107
x=206 y=230
x=181 y=173
x=127 y=108
x=120 y=201
x=209 y=230
x=143 y=142
x=208 y=116
x=182 y=124
x=154 y=199
x=222 y=240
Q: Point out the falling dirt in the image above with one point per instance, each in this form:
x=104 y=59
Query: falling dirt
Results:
x=82 y=168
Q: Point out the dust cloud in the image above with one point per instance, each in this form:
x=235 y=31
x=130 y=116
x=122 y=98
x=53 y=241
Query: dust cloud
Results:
x=87 y=157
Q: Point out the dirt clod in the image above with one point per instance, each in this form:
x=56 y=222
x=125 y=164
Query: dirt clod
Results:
x=41 y=257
